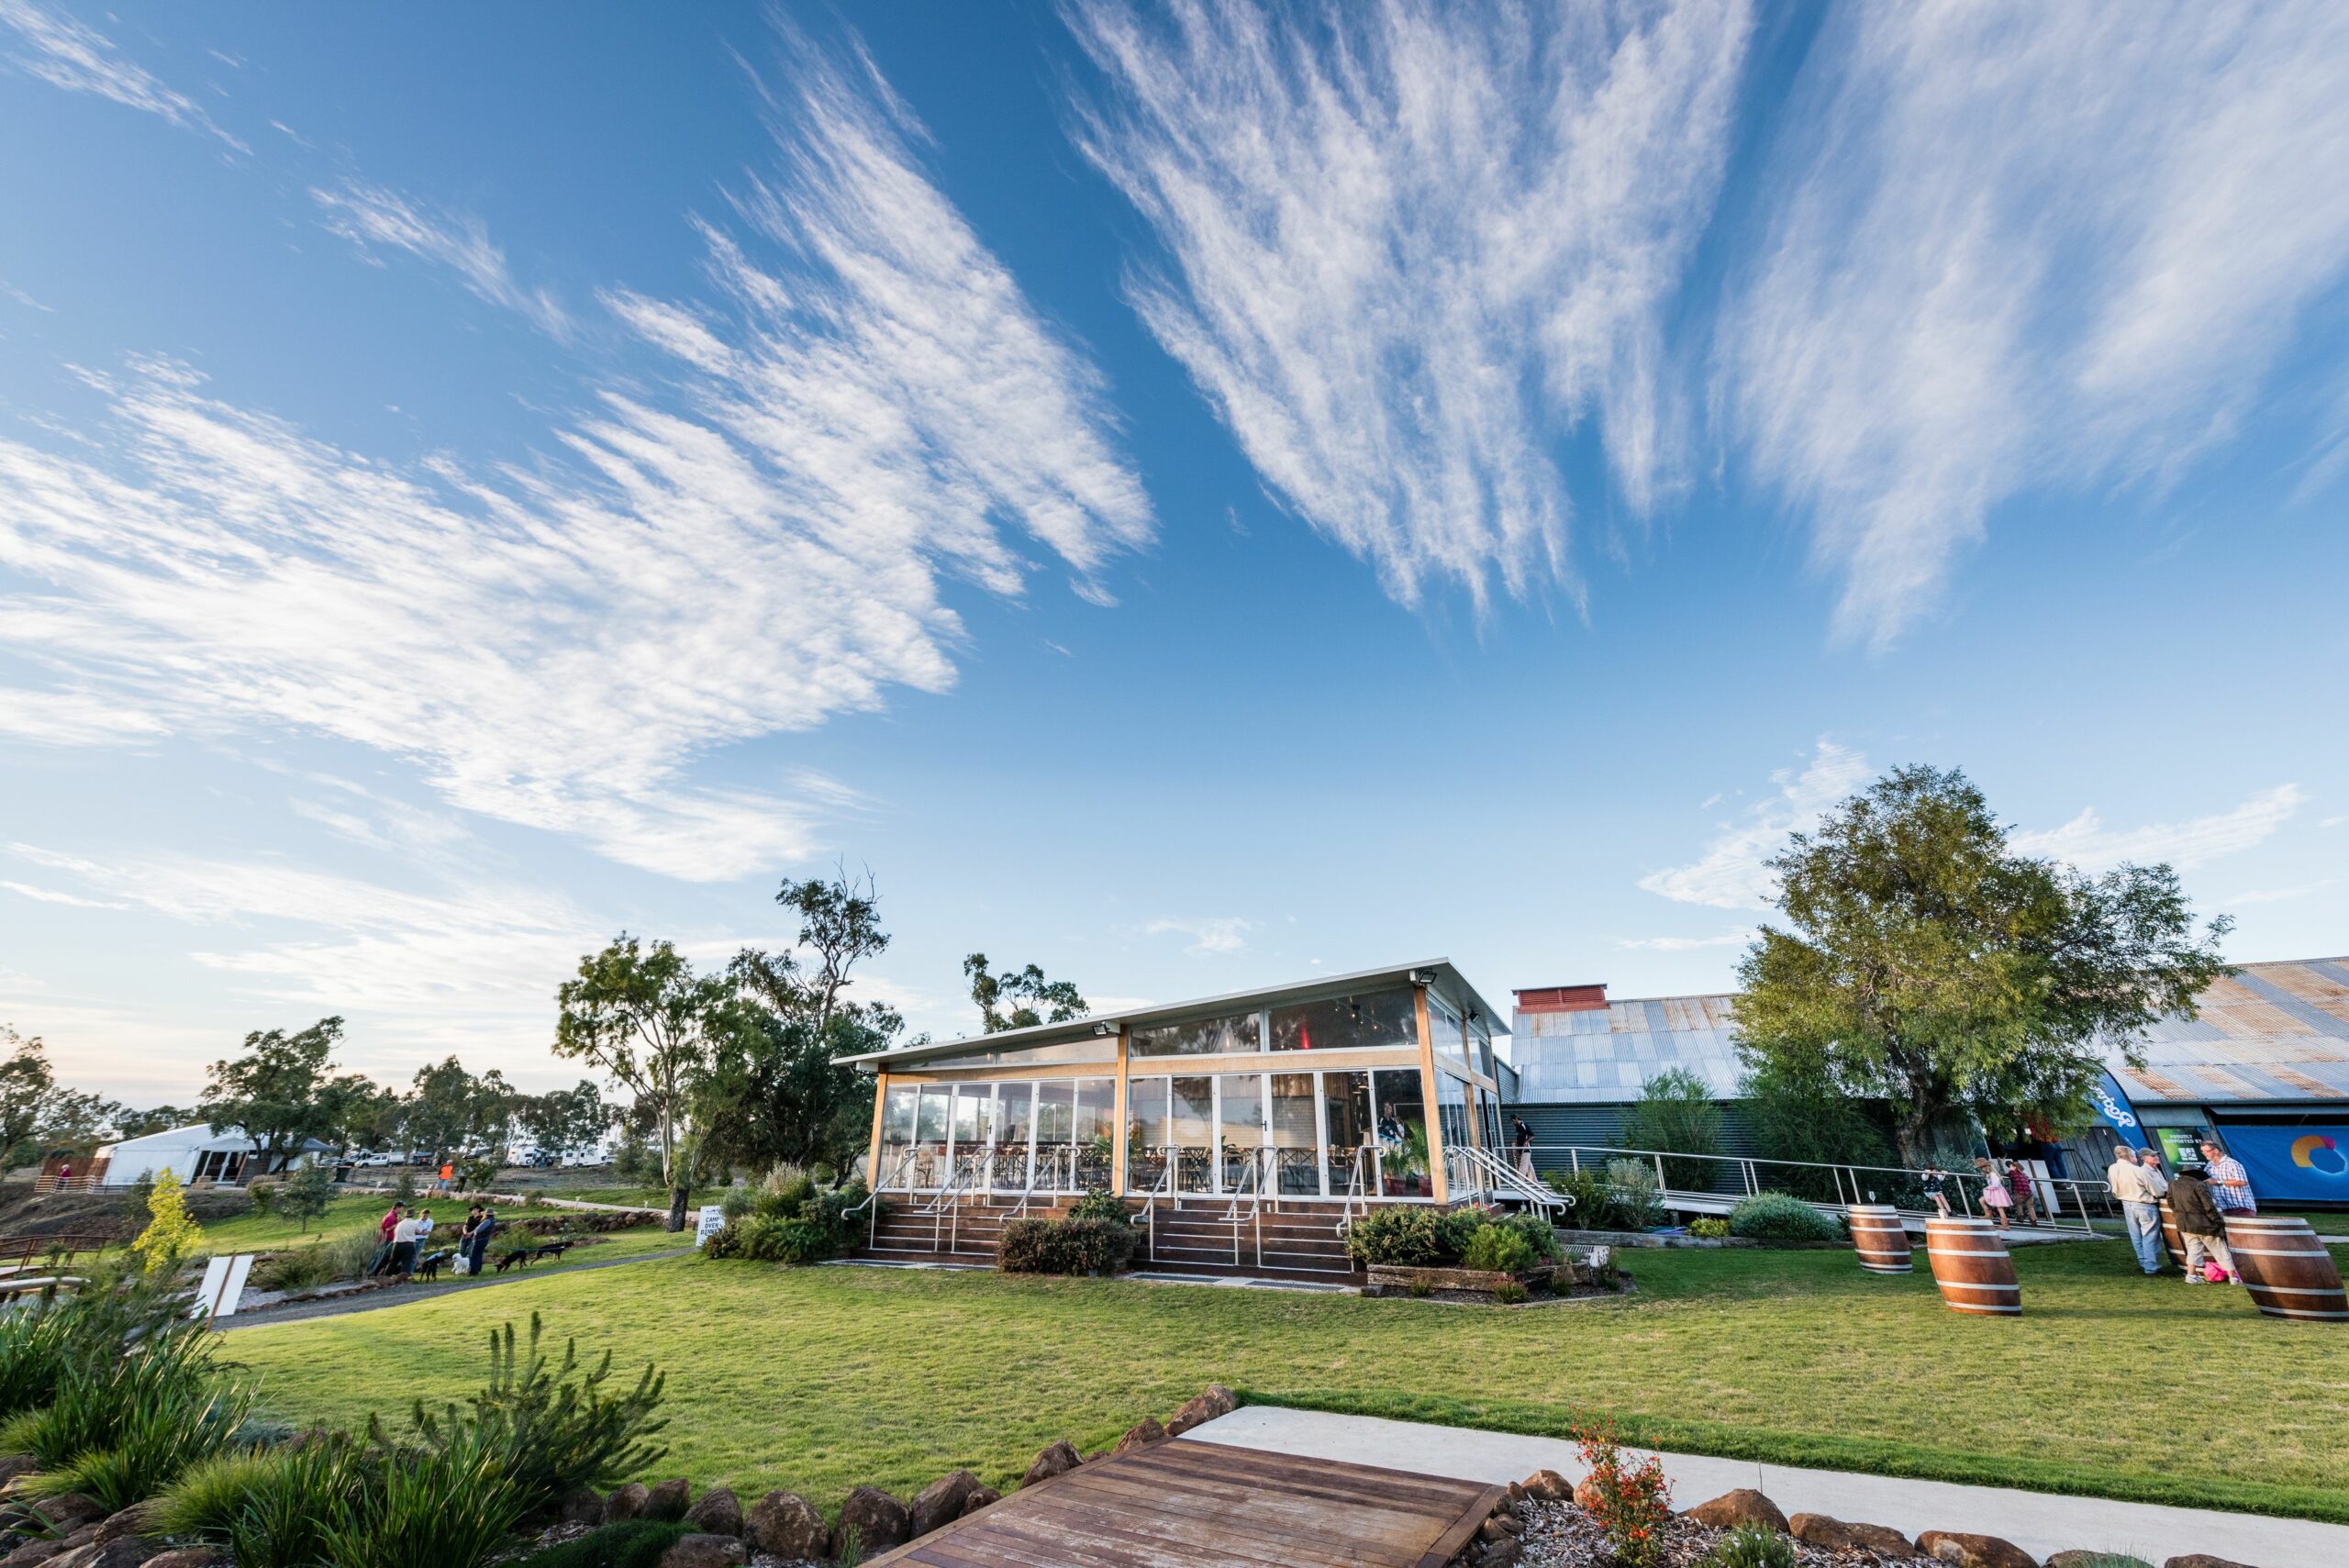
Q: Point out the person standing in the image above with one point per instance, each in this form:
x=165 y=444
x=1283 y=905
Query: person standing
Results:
x=2026 y=1193
x=384 y=1229
x=2139 y=1192
x=481 y=1233
x=2199 y=1223
x=404 y=1248
x=423 y=1234
x=1996 y=1202
x=1522 y=1146
x=2230 y=1183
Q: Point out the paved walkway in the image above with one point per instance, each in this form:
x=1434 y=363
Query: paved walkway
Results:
x=377 y=1300
x=2039 y=1522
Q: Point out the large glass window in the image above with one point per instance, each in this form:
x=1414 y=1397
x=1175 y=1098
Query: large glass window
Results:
x=1016 y=1112
x=1239 y=1118
x=1376 y=1018
x=1295 y=1136
x=1452 y=1110
x=1480 y=1042
x=1346 y=1123
x=1201 y=1037
x=974 y=1118
x=1402 y=1133
x=897 y=1117
x=1191 y=1132
x=933 y=1119
x=1146 y=1133
x=1444 y=1030
x=1095 y=1137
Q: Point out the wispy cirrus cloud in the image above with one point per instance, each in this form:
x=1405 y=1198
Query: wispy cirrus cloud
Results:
x=1689 y=944
x=1211 y=937
x=69 y=54
x=1730 y=872
x=2015 y=247
x=375 y=217
x=1405 y=248
x=753 y=544
x=2086 y=843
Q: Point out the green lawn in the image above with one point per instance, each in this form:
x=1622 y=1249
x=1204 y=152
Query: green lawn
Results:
x=820 y=1379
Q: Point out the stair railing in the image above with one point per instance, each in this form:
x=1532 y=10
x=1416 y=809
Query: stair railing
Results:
x=873 y=1198
x=1353 y=1196
x=1167 y=1188
x=1246 y=1189
x=946 y=1210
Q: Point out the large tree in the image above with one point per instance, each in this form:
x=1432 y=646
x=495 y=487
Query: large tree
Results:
x=26 y=1087
x=1020 y=998
x=1925 y=961
x=284 y=1092
x=455 y=1115
x=644 y=1016
x=561 y=1121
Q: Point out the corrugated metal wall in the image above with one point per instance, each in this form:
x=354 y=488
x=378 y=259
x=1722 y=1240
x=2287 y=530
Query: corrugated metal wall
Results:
x=1600 y=1125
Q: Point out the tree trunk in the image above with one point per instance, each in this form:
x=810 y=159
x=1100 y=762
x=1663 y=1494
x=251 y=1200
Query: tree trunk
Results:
x=677 y=1196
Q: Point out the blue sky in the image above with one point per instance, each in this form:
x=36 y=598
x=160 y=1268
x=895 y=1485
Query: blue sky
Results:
x=1187 y=496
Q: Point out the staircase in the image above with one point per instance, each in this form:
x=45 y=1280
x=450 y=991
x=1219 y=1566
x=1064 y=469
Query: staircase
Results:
x=964 y=1232
x=1201 y=1239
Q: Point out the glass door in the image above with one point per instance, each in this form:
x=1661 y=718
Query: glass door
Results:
x=1191 y=1132
x=1016 y=1108
x=1240 y=1132
x=1294 y=1136
x=933 y=1138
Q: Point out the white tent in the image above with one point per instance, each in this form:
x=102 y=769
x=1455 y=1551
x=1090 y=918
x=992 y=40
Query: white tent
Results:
x=192 y=1154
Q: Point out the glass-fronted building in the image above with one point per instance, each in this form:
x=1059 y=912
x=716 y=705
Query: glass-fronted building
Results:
x=1355 y=1087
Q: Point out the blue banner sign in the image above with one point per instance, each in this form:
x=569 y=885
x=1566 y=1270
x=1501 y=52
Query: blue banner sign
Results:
x=2113 y=1104
x=2293 y=1164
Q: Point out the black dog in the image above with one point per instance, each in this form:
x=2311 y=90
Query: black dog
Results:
x=428 y=1270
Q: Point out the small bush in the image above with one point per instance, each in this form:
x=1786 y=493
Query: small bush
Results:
x=1752 y=1546
x=267 y=1509
x=171 y=1234
x=1630 y=1503
x=1412 y=1236
x=1676 y=1113
x=1510 y=1292
x=633 y=1543
x=1101 y=1204
x=1634 y=1200
x=1781 y=1217
x=1710 y=1228
x=123 y=1429
x=325 y=1261
x=449 y=1505
x=1499 y=1248
x=1064 y=1246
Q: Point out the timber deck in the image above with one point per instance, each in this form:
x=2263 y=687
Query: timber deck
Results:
x=1184 y=1505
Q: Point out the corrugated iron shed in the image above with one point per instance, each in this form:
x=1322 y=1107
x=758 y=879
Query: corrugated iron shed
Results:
x=2274 y=1034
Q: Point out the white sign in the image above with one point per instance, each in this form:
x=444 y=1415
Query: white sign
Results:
x=223 y=1288
x=713 y=1220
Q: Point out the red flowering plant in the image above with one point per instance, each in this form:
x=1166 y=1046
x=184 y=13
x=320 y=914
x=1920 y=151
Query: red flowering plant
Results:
x=1630 y=1502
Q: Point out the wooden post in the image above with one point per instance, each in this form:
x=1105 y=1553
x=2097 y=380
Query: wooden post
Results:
x=1117 y=1136
x=1426 y=1089
x=880 y=1098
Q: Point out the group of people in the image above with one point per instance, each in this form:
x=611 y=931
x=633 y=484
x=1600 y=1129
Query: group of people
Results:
x=2006 y=1185
x=407 y=1236
x=2199 y=1201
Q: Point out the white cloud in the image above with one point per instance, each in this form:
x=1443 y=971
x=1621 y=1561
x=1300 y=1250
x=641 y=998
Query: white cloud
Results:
x=555 y=646
x=1689 y=944
x=371 y=215
x=2278 y=894
x=1222 y=934
x=2087 y=843
x=1731 y=874
x=1400 y=267
x=71 y=718
x=2019 y=246
x=51 y=896
x=65 y=54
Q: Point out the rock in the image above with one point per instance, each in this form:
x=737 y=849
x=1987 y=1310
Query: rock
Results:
x=189 y=1557
x=124 y=1552
x=1057 y=1459
x=2202 y=1559
x=1835 y=1535
x=1149 y=1432
x=82 y=1536
x=133 y=1521
x=584 y=1506
x=980 y=1499
x=1742 y=1507
x=1501 y=1554
x=31 y=1553
x=75 y=1556
x=1585 y=1497
x=2100 y=1559
x=878 y=1521
x=716 y=1512
x=705 y=1551
x=1213 y=1401
x=17 y=1465
x=72 y=1510
x=667 y=1501
x=786 y=1525
x=942 y=1501
x=1547 y=1486
x=1974 y=1551
x=625 y=1502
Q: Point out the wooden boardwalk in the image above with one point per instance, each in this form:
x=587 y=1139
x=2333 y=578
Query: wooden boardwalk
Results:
x=1182 y=1505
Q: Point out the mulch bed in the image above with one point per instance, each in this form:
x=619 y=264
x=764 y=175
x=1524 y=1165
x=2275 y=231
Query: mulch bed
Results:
x=1561 y=1535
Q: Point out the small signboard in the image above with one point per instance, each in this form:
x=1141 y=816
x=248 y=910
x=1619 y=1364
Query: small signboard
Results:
x=713 y=1220
x=223 y=1288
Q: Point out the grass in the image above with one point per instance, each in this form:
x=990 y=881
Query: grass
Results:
x=633 y=1197
x=822 y=1379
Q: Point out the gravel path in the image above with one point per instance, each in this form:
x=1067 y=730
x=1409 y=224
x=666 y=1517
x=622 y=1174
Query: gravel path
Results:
x=376 y=1300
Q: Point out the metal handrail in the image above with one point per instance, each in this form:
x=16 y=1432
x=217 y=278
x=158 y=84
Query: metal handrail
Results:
x=1035 y=1169
x=1150 y=1199
x=873 y=1200
x=1354 y=1192
x=1248 y=1181
x=2087 y=1197
x=946 y=1213
x=1493 y=1175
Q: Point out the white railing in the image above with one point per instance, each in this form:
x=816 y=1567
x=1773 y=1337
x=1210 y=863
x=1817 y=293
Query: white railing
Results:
x=873 y=1200
x=946 y=1208
x=1245 y=1191
x=1166 y=1189
x=1353 y=1196
x=1470 y=1170
x=2056 y=1203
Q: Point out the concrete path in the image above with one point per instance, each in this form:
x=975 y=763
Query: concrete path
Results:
x=2039 y=1522
x=377 y=1300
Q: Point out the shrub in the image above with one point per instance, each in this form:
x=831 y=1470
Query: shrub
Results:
x=404 y=1189
x=633 y=1543
x=1412 y=1236
x=451 y=1505
x=1710 y=1228
x=271 y=1508
x=1508 y=1293
x=1630 y=1503
x=1781 y=1217
x=1538 y=1232
x=321 y=1262
x=1632 y=1199
x=554 y=1429
x=264 y=1196
x=1101 y=1204
x=122 y=1427
x=1752 y=1546
x=1676 y=1113
x=169 y=1235
x=1500 y=1249
x=1064 y=1246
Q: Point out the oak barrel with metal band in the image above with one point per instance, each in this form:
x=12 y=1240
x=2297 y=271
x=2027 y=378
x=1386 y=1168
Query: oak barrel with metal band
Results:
x=2173 y=1238
x=1971 y=1266
x=2288 y=1270
x=1881 y=1238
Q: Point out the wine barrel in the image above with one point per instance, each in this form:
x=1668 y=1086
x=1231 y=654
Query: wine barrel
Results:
x=2288 y=1270
x=1882 y=1240
x=2172 y=1238
x=1971 y=1266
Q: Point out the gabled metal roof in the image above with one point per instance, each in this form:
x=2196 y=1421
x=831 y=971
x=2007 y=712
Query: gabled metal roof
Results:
x=1449 y=980
x=2272 y=1032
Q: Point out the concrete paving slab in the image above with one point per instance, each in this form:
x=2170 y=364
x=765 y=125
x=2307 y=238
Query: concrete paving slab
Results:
x=2039 y=1522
